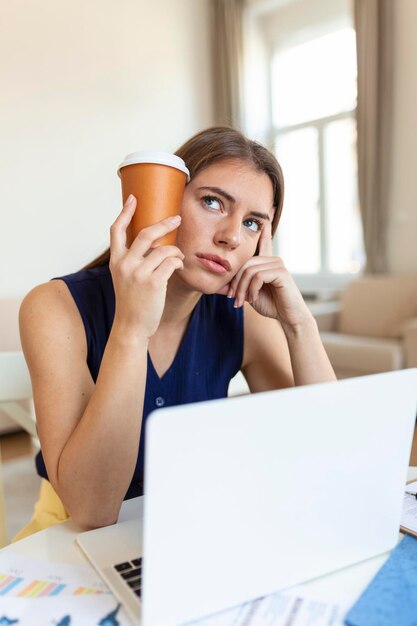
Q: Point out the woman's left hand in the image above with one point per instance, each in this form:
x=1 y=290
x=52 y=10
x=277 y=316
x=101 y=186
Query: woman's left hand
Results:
x=266 y=284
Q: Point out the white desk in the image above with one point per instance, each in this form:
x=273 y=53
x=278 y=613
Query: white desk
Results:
x=57 y=544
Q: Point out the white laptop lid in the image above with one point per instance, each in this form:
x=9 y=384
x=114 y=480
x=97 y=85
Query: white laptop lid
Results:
x=249 y=495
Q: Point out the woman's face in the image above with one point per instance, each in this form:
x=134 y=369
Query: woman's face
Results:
x=223 y=212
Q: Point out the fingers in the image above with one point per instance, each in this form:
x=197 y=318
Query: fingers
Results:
x=254 y=287
x=253 y=262
x=258 y=278
x=265 y=240
x=147 y=236
x=158 y=255
x=253 y=279
x=118 y=228
x=264 y=249
x=141 y=256
x=165 y=270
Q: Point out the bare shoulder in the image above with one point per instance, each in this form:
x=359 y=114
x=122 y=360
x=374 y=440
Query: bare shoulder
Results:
x=266 y=359
x=42 y=298
x=48 y=314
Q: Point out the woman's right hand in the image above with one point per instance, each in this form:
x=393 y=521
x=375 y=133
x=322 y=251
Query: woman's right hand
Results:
x=140 y=273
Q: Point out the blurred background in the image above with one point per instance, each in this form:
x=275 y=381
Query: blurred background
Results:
x=329 y=85
x=84 y=83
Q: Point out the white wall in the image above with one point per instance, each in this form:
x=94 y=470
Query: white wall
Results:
x=403 y=224
x=83 y=84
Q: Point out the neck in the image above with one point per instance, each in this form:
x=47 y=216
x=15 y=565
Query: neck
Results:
x=180 y=302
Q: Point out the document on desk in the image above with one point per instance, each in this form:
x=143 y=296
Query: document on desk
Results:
x=409 y=514
x=290 y=608
x=63 y=611
x=24 y=577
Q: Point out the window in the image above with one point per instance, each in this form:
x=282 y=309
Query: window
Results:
x=310 y=59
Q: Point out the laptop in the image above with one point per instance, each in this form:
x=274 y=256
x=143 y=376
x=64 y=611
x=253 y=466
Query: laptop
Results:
x=249 y=495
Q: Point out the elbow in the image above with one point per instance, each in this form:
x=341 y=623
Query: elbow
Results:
x=90 y=520
x=90 y=514
x=86 y=511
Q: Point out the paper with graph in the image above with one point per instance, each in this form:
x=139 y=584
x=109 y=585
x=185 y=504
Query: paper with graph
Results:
x=84 y=610
x=294 y=607
x=23 y=577
x=409 y=512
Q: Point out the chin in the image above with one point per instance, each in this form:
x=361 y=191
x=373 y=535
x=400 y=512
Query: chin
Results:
x=204 y=283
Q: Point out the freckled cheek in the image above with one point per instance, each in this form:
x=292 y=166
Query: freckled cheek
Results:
x=250 y=250
x=191 y=218
x=188 y=232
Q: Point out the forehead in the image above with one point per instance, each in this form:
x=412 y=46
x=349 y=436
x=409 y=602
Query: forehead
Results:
x=239 y=179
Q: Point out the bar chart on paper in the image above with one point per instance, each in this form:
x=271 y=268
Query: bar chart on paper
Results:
x=25 y=588
x=63 y=611
x=28 y=578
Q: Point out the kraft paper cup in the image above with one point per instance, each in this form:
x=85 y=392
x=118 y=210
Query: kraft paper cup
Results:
x=157 y=180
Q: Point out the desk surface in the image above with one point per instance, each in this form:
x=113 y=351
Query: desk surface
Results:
x=57 y=544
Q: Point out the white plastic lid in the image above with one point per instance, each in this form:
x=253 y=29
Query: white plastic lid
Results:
x=152 y=156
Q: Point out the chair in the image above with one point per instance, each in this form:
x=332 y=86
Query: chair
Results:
x=374 y=326
x=15 y=386
x=16 y=402
x=3 y=525
x=9 y=342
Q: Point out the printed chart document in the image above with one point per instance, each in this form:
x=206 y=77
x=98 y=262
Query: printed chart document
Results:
x=63 y=611
x=409 y=513
x=39 y=593
x=277 y=610
x=29 y=578
x=289 y=608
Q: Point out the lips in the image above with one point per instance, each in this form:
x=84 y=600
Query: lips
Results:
x=214 y=263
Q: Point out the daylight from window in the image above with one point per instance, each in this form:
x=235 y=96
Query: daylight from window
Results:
x=313 y=95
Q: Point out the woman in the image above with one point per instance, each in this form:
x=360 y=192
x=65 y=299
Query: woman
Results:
x=145 y=327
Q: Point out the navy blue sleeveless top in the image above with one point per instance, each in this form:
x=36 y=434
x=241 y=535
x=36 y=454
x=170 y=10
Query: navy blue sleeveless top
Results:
x=209 y=355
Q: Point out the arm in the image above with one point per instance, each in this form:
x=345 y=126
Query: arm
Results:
x=282 y=341
x=274 y=359
x=90 y=433
x=310 y=363
x=266 y=358
x=84 y=429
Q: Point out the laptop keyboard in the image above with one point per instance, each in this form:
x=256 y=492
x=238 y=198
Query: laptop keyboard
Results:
x=131 y=573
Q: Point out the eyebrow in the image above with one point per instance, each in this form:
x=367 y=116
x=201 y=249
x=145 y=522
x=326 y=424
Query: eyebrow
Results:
x=230 y=198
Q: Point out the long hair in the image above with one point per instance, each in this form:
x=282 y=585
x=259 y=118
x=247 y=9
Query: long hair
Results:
x=221 y=143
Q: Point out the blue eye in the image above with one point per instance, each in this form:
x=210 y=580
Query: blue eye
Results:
x=253 y=225
x=212 y=202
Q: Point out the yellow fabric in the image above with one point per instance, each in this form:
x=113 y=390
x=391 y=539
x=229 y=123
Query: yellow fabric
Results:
x=49 y=510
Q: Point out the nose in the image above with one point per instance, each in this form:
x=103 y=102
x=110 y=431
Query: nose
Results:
x=228 y=233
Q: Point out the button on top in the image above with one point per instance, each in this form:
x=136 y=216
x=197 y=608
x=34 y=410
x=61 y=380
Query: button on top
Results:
x=159 y=401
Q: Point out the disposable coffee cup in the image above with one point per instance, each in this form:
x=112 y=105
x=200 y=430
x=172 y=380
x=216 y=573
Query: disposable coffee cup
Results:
x=157 y=180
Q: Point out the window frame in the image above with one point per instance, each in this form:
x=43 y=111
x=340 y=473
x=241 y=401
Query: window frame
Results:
x=270 y=26
x=319 y=124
